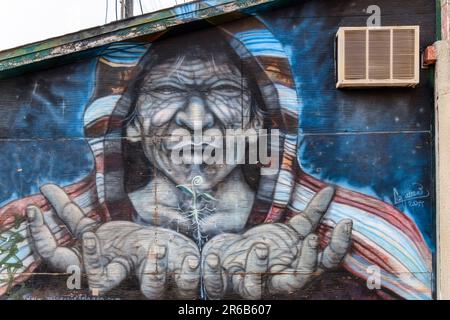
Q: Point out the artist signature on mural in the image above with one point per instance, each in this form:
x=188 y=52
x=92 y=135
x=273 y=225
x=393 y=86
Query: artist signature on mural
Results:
x=414 y=197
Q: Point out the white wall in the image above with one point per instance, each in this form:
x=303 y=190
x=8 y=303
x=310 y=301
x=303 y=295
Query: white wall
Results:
x=25 y=21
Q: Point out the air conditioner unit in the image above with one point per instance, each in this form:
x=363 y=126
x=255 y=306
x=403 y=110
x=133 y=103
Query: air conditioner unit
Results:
x=378 y=56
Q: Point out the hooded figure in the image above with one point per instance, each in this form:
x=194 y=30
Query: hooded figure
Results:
x=382 y=236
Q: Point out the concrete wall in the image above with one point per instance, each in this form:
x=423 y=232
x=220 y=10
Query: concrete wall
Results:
x=441 y=106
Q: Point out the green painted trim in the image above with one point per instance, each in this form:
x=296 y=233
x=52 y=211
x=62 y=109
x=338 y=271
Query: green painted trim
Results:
x=119 y=31
x=438 y=21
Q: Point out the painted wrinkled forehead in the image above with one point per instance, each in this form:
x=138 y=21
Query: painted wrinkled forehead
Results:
x=205 y=53
x=202 y=68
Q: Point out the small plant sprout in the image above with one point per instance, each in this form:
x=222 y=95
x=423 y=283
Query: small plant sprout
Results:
x=196 y=213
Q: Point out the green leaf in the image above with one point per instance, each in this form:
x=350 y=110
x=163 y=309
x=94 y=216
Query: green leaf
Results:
x=185 y=189
x=208 y=196
x=17 y=221
x=17 y=237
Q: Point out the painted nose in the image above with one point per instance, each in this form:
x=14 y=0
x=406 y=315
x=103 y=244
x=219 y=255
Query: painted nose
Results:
x=195 y=115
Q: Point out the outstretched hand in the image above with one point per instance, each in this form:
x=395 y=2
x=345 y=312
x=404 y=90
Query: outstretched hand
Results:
x=112 y=251
x=275 y=258
x=45 y=244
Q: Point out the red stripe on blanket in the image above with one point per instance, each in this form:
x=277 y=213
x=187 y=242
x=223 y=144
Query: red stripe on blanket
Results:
x=374 y=206
x=374 y=256
x=100 y=163
x=16 y=210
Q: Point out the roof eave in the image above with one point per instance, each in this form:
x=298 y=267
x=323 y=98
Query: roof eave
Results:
x=145 y=25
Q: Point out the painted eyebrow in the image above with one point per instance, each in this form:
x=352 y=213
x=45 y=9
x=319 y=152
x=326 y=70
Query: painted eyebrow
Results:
x=182 y=82
x=162 y=80
x=174 y=76
x=166 y=83
x=228 y=82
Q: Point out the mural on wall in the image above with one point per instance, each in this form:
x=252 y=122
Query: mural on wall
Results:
x=135 y=219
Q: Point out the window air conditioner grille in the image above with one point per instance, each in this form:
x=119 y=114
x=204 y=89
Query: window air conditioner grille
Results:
x=378 y=56
x=404 y=54
x=355 y=50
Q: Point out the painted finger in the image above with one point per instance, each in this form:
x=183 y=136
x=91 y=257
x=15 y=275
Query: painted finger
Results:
x=303 y=271
x=101 y=279
x=67 y=210
x=287 y=282
x=306 y=222
x=44 y=242
x=76 y=221
x=154 y=272
x=57 y=197
x=92 y=257
x=307 y=261
x=188 y=278
x=255 y=268
x=113 y=274
x=213 y=277
x=339 y=245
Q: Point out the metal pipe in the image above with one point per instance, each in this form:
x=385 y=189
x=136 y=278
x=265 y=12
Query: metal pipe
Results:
x=126 y=10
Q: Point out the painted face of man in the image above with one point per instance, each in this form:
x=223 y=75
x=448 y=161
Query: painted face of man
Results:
x=203 y=93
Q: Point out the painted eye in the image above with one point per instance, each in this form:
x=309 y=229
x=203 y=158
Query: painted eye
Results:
x=167 y=90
